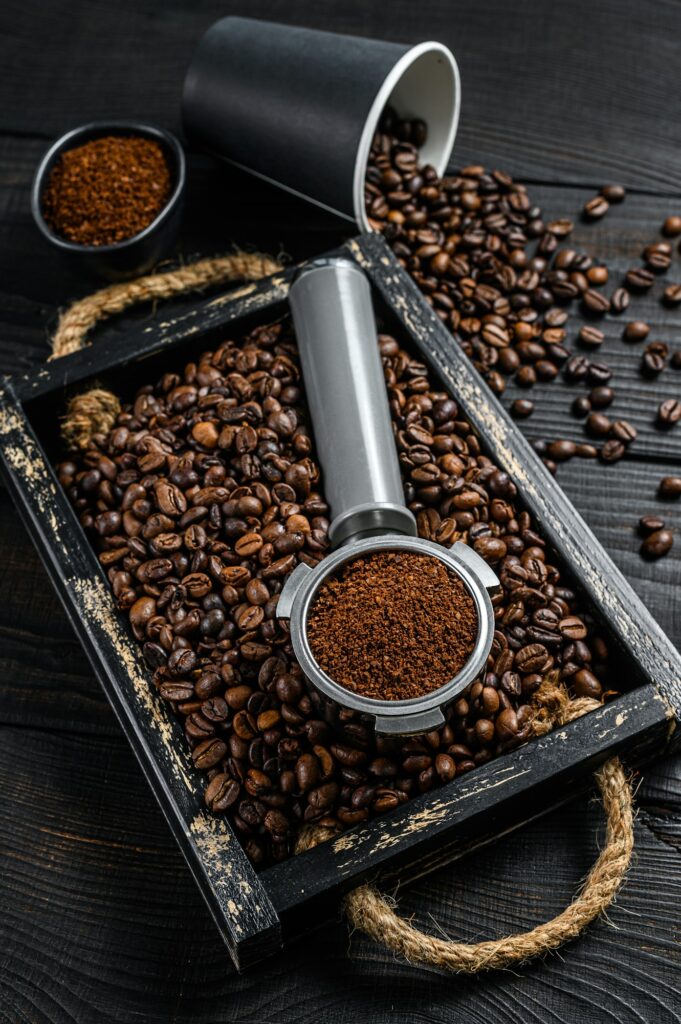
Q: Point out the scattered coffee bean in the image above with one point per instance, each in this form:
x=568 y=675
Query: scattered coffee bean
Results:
x=675 y=361
x=612 y=450
x=657 y=257
x=599 y=373
x=672 y=226
x=672 y=294
x=654 y=359
x=581 y=406
x=623 y=431
x=521 y=408
x=595 y=302
x=561 y=451
x=595 y=208
x=668 y=413
x=591 y=337
x=639 y=279
x=619 y=301
x=614 y=193
x=576 y=368
x=657 y=544
x=601 y=397
x=597 y=275
x=598 y=424
x=637 y=330
x=670 y=487
x=649 y=524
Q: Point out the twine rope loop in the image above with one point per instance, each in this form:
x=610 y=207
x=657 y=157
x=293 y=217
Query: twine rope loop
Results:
x=372 y=913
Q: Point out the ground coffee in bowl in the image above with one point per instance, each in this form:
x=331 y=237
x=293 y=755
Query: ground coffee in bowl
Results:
x=393 y=626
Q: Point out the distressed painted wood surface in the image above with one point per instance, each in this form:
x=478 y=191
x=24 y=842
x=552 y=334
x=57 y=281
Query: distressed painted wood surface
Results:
x=100 y=918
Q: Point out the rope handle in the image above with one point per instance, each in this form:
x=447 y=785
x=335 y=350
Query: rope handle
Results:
x=95 y=411
x=367 y=910
x=374 y=914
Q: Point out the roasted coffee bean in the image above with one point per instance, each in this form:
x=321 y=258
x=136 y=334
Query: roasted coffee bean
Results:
x=657 y=257
x=619 y=300
x=208 y=753
x=591 y=337
x=561 y=451
x=672 y=226
x=521 y=408
x=599 y=373
x=596 y=208
x=612 y=451
x=637 y=330
x=614 y=193
x=576 y=368
x=653 y=362
x=598 y=424
x=601 y=397
x=586 y=684
x=669 y=487
x=672 y=294
x=597 y=275
x=668 y=413
x=657 y=544
x=649 y=524
x=623 y=431
x=221 y=792
x=639 y=279
x=595 y=302
x=581 y=406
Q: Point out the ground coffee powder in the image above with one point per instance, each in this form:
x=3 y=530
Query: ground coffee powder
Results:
x=393 y=626
x=106 y=190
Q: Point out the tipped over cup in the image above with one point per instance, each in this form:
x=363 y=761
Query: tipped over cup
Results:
x=299 y=107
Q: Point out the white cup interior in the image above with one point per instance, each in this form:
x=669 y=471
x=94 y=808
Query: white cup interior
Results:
x=425 y=84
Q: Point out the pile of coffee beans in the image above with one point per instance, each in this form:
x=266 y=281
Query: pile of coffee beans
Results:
x=503 y=281
x=393 y=625
x=106 y=190
x=202 y=499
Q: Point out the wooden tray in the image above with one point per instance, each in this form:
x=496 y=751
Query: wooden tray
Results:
x=257 y=912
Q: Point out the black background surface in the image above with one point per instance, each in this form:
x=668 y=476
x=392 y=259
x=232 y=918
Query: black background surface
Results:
x=99 y=918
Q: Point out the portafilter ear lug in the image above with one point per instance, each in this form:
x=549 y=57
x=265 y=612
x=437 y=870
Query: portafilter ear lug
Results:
x=477 y=565
x=290 y=590
x=409 y=725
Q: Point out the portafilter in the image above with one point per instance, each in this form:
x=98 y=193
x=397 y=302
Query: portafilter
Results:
x=335 y=329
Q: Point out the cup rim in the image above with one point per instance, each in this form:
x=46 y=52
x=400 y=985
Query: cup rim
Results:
x=98 y=129
x=377 y=107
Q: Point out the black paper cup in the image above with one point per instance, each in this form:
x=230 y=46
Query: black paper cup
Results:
x=300 y=107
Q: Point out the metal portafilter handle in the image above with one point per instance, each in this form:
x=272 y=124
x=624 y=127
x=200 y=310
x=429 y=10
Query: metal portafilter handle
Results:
x=336 y=333
x=346 y=394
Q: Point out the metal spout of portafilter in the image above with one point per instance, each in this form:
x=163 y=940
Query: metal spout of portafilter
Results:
x=335 y=329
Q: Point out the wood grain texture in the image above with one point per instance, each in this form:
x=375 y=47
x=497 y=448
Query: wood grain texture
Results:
x=559 y=92
x=101 y=920
x=108 y=931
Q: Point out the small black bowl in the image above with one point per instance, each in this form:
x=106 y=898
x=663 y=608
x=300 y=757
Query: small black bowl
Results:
x=140 y=252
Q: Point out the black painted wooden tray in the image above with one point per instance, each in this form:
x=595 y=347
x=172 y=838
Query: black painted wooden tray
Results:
x=257 y=913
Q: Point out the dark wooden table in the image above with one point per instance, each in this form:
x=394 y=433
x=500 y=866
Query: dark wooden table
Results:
x=99 y=917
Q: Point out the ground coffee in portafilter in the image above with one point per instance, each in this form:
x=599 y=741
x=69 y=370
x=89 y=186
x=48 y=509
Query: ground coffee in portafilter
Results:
x=393 y=625
x=205 y=496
